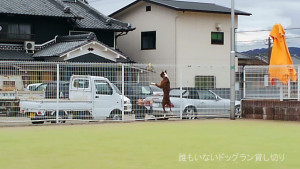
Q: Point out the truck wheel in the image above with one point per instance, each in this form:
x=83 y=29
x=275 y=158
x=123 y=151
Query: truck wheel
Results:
x=116 y=115
x=37 y=122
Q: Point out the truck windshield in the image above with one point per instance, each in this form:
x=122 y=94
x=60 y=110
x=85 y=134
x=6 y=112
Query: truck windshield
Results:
x=116 y=89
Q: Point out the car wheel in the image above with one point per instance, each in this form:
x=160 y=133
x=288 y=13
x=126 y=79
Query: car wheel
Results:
x=190 y=112
x=238 y=113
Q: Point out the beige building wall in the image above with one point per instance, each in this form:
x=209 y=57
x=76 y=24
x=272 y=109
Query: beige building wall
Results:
x=159 y=19
x=196 y=54
x=182 y=39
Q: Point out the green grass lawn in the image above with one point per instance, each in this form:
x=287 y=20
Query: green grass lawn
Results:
x=147 y=145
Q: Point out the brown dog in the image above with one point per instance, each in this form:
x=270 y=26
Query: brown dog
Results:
x=165 y=86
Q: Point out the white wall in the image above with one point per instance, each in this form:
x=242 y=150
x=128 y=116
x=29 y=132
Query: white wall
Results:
x=159 y=19
x=195 y=51
x=183 y=39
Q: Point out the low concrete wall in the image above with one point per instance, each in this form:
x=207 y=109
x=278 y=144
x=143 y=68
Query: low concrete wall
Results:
x=288 y=110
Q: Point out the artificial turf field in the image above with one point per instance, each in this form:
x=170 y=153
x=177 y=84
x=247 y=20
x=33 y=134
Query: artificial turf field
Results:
x=157 y=145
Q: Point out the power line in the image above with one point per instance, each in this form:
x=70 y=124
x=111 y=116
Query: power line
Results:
x=265 y=30
x=247 y=41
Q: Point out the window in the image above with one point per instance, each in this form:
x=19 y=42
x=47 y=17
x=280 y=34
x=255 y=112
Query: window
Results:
x=217 y=38
x=148 y=8
x=15 y=31
x=81 y=83
x=9 y=84
x=41 y=87
x=206 y=95
x=205 y=82
x=146 y=90
x=177 y=93
x=103 y=88
x=148 y=40
x=193 y=94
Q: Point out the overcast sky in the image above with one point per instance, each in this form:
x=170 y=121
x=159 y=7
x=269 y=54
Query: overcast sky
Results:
x=265 y=13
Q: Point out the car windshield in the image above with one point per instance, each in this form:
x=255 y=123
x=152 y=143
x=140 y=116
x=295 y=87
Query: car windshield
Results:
x=156 y=89
x=146 y=90
x=41 y=87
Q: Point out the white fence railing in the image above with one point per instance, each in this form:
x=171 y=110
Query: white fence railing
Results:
x=257 y=85
x=60 y=92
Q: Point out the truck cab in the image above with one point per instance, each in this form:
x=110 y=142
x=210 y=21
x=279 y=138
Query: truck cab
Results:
x=106 y=97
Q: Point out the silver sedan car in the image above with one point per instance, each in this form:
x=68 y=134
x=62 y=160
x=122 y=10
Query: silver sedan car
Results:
x=193 y=103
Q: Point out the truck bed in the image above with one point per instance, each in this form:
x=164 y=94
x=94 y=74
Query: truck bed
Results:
x=22 y=94
x=51 y=105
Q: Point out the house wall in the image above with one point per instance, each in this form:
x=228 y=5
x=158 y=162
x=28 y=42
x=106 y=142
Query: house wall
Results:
x=182 y=39
x=162 y=21
x=196 y=54
x=159 y=19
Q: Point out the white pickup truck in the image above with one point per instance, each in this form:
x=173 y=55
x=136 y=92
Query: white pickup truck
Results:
x=90 y=97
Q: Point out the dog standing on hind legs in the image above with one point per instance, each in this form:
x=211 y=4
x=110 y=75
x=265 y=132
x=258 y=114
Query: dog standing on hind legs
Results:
x=165 y=86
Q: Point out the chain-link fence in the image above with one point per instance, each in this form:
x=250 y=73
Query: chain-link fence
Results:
x=42 y=92
x=258 y=85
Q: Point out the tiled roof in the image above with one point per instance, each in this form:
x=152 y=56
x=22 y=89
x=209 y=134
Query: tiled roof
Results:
x=86 y=17
x=197 y=6
x=58 y=49
x=15 y=55
x=68 y=43
x=34 y=7
x=80 y=37
x=93 y=19
x=188 y=6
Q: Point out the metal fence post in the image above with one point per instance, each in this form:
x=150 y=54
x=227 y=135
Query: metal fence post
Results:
x=244 y=85
x=57 y=92
x=181 y=106
x=232 y=64
x=122 y=103
x=298 y=84
x=281 y=91
x=289 y=89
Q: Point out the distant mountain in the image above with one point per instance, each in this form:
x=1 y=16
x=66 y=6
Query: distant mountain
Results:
x=264 y=51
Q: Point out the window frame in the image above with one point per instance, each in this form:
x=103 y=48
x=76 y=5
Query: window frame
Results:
x=105 y=86
x=148 y=34
x=81 y=81
x=217 y=41
x=15 y=31
x=205 y=84
x=148 y=8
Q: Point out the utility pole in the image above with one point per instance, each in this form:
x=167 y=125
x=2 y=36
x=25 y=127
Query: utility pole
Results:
x=269 y=49
x=232 y=66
